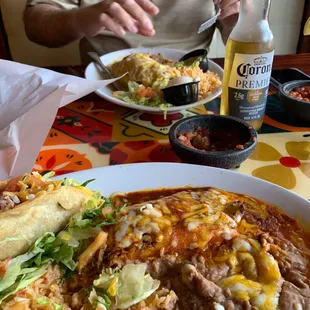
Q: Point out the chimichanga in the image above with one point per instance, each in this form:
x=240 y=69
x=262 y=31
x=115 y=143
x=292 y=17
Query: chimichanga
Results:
x=142 y=69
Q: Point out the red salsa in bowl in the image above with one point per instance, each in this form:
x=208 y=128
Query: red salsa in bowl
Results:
x=301 y=93
x=213 y=141
x=295 y=97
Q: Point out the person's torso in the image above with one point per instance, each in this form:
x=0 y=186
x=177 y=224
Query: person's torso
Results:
x=176 y=26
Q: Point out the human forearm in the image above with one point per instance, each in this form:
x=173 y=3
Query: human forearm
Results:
x=51 y=26
x=228 y=17
x=227 y=25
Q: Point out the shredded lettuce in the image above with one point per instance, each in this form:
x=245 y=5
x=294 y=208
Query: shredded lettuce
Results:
x=11 y=274
x=46 y=302
x=92 y=217
x=131 y=97
x=73 y=182
x=26 y=268
x=132 y=86
x=19 y=266
x=70 y=182
x=99 y=300
x=64 y=255
x=83 y=234
x=129 y=285
x=67 y=238
x=42 y=301
x=134 y=285
x=160 y=84
x=106 y=278
x=48 y=175
x=57 y=307
x=23 y=282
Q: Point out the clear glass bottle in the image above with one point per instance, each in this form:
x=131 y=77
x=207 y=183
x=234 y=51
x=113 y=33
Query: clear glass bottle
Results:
x=248 y=64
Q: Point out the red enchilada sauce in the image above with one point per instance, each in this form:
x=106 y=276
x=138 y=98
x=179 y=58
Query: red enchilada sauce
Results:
x=213 y=141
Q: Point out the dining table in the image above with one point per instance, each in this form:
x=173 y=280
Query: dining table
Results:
x=93 y=132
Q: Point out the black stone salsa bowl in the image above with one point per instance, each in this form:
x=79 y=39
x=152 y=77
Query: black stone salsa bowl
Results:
x=222 y=159
x=295 y=108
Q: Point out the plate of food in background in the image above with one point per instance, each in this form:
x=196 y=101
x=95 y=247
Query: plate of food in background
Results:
x=159 y=80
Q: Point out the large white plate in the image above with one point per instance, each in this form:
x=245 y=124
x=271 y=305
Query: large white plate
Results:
x=92 y=73
x=134 y=177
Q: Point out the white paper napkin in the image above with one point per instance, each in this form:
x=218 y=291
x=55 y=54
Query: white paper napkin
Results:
x=29 y=100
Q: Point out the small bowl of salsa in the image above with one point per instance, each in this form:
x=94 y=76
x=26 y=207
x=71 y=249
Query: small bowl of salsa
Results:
x=295 y=97
x=213 y=140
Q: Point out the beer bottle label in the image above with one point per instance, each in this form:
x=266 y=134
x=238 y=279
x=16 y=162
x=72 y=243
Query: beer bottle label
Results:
x=248 y=85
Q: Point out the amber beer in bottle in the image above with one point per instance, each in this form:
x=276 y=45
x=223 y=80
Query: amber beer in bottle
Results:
x=248 y=64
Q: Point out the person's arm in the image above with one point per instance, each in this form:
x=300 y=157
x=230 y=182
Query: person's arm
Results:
x=52 y=26
x=228 y=17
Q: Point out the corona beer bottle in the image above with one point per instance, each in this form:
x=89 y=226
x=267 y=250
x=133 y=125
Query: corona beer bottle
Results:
x=248 y=64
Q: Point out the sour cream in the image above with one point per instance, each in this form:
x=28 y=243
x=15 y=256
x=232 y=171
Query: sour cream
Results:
x=182 y=80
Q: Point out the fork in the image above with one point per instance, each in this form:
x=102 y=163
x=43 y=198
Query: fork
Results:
x=105 y=72
x=212 y=20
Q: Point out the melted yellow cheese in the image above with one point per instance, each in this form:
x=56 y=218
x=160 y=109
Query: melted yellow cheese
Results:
x=256 y=274
x=143 y=223
x=195 y=223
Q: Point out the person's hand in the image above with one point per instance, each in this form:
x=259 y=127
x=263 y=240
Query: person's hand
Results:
x=229 y=12
x=118 y=16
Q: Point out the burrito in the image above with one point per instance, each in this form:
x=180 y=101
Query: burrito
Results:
x=32 y=205
x=143 y=69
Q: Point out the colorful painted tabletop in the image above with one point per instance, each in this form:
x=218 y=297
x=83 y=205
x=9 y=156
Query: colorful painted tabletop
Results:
x=88 y=134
